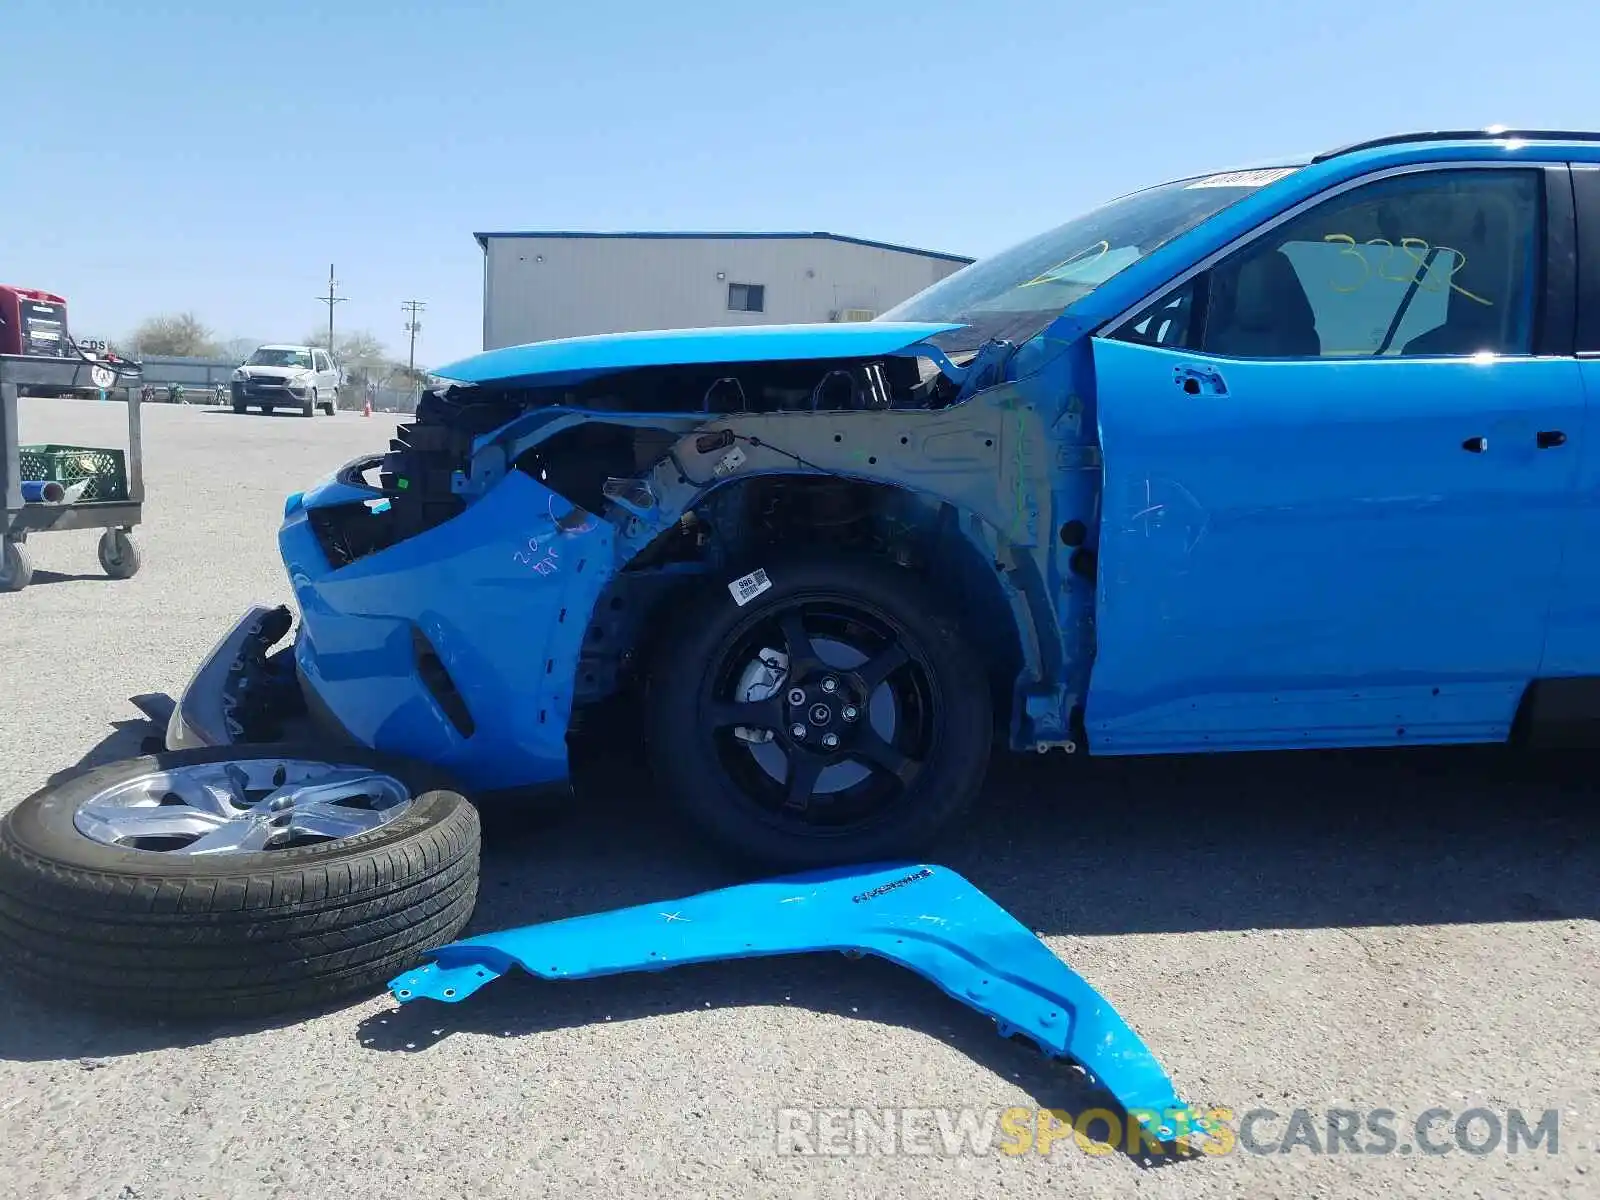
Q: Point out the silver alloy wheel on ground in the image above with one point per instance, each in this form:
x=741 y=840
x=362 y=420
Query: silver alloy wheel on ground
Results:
x=242 y=807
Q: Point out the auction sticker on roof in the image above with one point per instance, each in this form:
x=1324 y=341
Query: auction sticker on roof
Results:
x=1250 y=179
x=747 y=587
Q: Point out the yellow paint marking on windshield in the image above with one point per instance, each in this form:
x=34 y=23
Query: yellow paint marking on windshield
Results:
x=1049 y=274
x=1415 y=249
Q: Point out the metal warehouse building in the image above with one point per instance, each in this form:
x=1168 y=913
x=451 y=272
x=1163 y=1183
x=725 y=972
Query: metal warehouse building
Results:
x=560 y=284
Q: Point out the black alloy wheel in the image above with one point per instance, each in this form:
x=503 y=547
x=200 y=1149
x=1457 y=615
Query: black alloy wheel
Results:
x=835 y=717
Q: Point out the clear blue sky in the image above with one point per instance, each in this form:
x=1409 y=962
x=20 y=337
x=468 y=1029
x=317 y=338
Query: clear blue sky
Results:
x=216 y=156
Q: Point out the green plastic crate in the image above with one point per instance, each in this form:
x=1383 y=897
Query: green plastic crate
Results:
x=107 y=470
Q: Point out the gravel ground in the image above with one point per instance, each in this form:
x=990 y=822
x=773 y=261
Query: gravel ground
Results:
x=1323 y=932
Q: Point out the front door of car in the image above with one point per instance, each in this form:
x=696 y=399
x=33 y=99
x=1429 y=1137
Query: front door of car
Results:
x=1339 y=465
x=327 y=376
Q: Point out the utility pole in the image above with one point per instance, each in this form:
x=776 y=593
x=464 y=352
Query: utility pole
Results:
x=413 y=326
x=330 y=300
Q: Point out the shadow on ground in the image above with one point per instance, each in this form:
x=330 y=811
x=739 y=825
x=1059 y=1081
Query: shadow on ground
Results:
x=46 y=577
x=867 y=989
x=1088 y=846
x=126 y=740
x=1301 y=841
x=284 y=411
x=1162 y=845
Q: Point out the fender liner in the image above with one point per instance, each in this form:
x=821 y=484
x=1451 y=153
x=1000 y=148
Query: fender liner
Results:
x=925 y=918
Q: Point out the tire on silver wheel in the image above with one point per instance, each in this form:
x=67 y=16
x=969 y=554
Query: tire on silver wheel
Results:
x=244 y=880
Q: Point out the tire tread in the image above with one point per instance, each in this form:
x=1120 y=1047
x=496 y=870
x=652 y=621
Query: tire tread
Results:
x=314 y=930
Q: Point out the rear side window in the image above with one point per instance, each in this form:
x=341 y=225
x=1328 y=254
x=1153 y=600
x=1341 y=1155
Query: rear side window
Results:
x=1586 y=193
x=1432 y=263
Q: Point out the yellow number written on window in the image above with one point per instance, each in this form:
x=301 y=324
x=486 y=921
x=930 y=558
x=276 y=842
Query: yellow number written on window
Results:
x=1413 y=250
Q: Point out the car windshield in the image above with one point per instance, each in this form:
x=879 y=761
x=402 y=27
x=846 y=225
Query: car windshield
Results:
x=268 y=357
x=1016 y=293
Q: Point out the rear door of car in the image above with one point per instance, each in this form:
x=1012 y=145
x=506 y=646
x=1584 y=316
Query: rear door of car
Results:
x=327 y=374
x=1340 y=463
x=1573 y=650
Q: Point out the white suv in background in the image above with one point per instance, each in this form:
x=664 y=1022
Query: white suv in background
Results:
x=283 y=376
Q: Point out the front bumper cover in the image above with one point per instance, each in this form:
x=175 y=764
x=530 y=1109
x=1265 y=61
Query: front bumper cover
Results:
x=926 y=918
x=393 y=653
x=458 y=645
x=269 y=389
x=243 y=692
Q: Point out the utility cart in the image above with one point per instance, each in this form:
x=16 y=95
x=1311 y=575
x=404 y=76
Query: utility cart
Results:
x=54 y=487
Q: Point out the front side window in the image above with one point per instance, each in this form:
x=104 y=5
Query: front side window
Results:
x=1433 y=263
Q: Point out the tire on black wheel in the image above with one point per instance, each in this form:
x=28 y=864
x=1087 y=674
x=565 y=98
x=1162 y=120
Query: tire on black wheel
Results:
x=938 y=739
x=309 y=408
x=248 y=932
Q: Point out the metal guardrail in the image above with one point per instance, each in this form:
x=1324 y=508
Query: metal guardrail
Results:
x=193 y=373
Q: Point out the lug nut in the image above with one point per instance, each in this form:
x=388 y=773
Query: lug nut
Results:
x=798 y=730
x=849 y=712
x=796 y=697
x=830 y=740
x=830 y=685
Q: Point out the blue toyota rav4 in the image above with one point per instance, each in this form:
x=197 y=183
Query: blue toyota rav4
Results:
x=1286 y=457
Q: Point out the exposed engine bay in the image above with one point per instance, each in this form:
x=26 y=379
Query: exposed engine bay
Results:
x=415 y=475
x=699 y=467
x=801 y=385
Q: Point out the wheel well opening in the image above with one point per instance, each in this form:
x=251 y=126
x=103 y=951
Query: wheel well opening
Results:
x=750 y=522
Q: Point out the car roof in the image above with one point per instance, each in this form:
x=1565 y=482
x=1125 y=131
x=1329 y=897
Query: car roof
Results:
x=285 y=346
x=1491 y=133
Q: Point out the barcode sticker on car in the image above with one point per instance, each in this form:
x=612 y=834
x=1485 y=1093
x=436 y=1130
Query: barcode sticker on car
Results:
x=1250 y=179
x=731 y=462
x=747 y=587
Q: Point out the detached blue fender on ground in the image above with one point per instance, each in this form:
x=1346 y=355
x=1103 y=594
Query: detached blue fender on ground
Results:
x=925 y=918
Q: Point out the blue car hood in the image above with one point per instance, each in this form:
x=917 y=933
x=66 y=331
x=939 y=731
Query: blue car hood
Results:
x=565 y=361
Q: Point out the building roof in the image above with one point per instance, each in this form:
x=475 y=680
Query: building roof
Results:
x=483 y=239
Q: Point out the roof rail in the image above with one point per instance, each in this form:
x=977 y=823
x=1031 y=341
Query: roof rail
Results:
x=1494 y=132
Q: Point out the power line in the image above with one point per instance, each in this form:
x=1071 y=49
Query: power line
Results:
x=413 y=308
x=330 y=300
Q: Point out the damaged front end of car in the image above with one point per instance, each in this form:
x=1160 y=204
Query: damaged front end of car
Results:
x=925 y=918
x=468 y=595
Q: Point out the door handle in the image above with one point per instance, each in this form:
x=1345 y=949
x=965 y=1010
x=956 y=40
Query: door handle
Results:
x=1550 y=437
x=1475 y=445
x=1194 y=380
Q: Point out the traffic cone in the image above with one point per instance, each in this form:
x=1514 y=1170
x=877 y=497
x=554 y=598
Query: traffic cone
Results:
x=366 y=409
